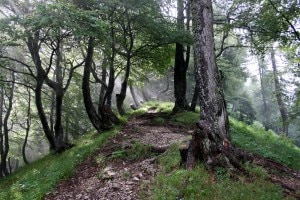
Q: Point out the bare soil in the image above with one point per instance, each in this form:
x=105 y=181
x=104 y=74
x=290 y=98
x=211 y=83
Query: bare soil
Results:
x=104 y=176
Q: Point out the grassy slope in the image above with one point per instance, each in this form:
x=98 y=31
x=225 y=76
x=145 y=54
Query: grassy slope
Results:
x=35 y=180
x=176 y=182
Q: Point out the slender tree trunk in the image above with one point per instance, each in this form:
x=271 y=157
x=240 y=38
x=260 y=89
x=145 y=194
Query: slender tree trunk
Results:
x=100 y=121
x=210 y=142
x=103 y=89
x=33 y=47
x=266 y=120
x=132 y=91
x=194 y=99
x=110 y=87
x=42 y=115
x=59 y=94
x=278 y=94
x=1 y=132
x=27 y=128
x=5 y=125
x=122 y=95
x=180 y=67
x=111 y=79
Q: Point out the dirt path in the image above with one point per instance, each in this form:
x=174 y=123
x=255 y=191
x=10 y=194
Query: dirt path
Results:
x=111 y=174
x=103 y=177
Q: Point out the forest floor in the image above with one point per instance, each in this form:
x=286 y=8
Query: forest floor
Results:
x=125 y=169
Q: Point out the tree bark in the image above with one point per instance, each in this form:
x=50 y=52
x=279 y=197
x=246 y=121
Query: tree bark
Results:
x=181 y=65
x=210 y=142
x=278 y=94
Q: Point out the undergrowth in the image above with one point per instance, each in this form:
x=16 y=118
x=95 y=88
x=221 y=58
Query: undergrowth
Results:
x=35 y=180
x=174 y=182
x=255 y=139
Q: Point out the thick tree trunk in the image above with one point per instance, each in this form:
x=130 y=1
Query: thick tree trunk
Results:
x=278 y=94
x=211 y=142
x=180 y=67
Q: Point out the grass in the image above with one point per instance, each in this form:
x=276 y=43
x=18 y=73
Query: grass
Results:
x=35 y=180
x=266 y=143
x=135 y=152
x=174 y=182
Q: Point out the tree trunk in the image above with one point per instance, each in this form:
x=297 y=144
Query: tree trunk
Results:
x=27 y=128
x=1 y=132
x=210 y=142
x=103 y=88
x=42 y=115
x=266 y=120
x=194 y=99
x=59 y=94
x=278 y=94
x=100 y=121
x=122 y=95
x=33 y=47
x=110 y=87
x=180 y=67
x=132 y=91
x=5 y=126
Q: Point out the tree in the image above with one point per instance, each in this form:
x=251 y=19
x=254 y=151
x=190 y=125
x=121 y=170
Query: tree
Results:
x=182 y=56
x=279 y=97
x=265 y=106
x=211 y=140
x=46 y=38
x=105 y=118
x=6 y=102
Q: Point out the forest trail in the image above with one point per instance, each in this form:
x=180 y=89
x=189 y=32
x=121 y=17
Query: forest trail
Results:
x=111 y=174
x=124 y=168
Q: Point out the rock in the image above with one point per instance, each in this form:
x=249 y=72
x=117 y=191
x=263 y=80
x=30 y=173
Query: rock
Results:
x=78 y=196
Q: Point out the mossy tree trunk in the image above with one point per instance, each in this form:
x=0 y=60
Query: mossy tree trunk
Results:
x=210 y=142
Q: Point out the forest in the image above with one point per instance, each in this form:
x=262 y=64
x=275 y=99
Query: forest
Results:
x=149 y=99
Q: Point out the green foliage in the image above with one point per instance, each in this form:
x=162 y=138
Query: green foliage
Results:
x=35 y=180
x=266 y=143
x=158 y=106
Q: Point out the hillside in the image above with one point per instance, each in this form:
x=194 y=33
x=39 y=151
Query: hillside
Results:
x=141 y=161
